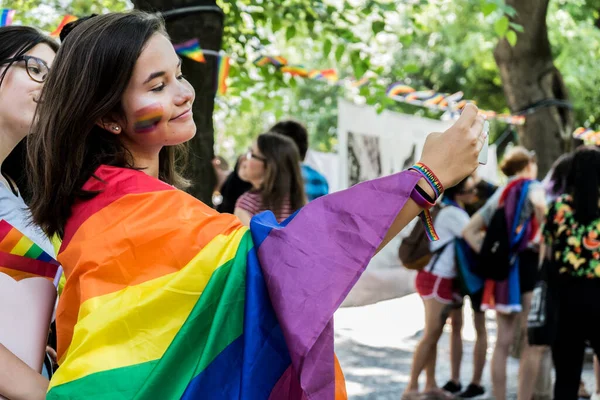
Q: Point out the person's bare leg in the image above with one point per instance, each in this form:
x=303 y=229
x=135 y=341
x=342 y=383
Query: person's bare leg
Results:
x=433 y=330
x=506 y=329
x=456 y=344
x=480 y=349
x=430 y=382
x=531 y=356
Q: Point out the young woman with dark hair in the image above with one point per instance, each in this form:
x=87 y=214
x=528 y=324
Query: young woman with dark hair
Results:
x=164 y=296
x=572 y=245
x=272 y=166
x=26 y=56
x=520 y=166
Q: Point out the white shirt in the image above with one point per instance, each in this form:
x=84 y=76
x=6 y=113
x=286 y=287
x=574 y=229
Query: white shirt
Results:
x=449 y=225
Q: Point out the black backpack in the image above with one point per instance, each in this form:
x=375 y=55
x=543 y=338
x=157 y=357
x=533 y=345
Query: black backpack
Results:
x=495 y=257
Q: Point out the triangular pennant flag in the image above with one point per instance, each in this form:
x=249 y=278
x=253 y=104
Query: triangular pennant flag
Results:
x=190 y=49
x=66 y=19
x=6 y=17
x=222 y=74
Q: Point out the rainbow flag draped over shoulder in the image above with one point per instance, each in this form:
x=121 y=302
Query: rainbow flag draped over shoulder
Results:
x=166 y=298
x=21 y=258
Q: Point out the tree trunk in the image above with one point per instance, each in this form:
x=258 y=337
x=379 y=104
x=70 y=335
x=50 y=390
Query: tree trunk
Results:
x=207 y=27
x=529 y=76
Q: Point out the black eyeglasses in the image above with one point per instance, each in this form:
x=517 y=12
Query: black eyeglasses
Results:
x=250 y=155
x=36 y=68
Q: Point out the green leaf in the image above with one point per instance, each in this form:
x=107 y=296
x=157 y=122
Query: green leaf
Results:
x=517 y=27
x=290 y=32
x=501 y=26
x=377 y=27
x=358 y=66
x=508 y=10
x=327 y=48
x=488 y=8
x=511 y=36
x=411 y=68
x=275 y=24
x=339 y=52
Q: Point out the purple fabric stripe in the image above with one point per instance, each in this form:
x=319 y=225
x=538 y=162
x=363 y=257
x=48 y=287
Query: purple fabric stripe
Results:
x=311 y=265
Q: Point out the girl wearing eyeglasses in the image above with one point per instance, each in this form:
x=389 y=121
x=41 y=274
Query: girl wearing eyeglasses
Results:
x=272 y=167
x=25 y=58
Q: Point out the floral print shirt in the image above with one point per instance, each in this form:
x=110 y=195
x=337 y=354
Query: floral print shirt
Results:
x=575 y=247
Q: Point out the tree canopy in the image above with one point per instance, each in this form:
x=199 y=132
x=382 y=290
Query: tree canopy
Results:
x=446 y=45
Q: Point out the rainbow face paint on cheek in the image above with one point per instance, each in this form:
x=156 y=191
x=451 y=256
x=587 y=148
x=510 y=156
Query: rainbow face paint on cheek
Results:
x=147 y=118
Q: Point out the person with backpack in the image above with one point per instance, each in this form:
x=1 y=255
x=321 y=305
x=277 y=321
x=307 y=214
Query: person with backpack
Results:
x=436 y=285
x=502 y=232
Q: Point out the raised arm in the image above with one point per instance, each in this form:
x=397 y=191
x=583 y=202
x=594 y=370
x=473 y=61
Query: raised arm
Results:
x=17 y=380
x=452 y=155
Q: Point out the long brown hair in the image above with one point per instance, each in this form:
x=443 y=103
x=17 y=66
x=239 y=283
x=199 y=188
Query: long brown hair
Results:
x=86 y=83
x=283 y=178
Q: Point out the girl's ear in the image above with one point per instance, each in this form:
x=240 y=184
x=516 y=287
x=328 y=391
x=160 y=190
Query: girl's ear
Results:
x=110 y=124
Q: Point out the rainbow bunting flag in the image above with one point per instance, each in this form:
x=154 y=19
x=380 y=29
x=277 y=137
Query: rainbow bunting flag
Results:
x=190 y=49
x=327 y=74
x=66 y=19
x=295 y=70
x=588 y=136
x=21 y=258
x=360 y=82
x=277 y=61
x=397 y=89
x=175 y=300
x=6 y=17
x=222 y=74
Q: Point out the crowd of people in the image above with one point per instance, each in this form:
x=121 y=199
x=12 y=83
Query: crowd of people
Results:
x=549 y=231
x=101 y=120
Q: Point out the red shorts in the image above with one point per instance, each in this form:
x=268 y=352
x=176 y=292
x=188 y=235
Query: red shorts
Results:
x=430 y=286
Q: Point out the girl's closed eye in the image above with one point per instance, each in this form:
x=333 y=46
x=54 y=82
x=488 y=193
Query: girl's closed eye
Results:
x=158 y=88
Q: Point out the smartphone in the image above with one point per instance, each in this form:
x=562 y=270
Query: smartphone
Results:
x=483 y=154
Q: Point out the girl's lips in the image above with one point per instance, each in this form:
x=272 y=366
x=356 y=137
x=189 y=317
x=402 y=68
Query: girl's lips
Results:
x=184 y=115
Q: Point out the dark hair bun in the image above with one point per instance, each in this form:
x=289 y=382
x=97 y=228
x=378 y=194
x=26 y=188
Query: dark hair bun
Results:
x=71 y=25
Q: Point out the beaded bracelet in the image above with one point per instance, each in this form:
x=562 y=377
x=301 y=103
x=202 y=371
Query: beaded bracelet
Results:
x=430 y=178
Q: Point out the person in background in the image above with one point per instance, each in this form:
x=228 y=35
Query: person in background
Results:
x=26 y=56
x=571 y=241
x=483 y=191
x=555 y=182
x=272 y=166
x=436 y=285
x=315 y=184
x=518 y=163
x=232 y=188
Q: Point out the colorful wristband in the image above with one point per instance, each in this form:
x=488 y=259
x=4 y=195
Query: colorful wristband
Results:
x=430 y=177
x=423 y=200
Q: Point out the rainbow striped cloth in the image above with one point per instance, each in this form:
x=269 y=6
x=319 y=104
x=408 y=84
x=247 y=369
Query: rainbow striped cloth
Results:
x=166 y=298
x=21 y=258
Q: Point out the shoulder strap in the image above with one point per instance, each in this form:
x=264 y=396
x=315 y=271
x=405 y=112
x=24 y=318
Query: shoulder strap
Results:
x=438 y=253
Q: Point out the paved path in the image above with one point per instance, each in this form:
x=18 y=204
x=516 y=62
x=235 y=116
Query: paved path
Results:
x=375 y=345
